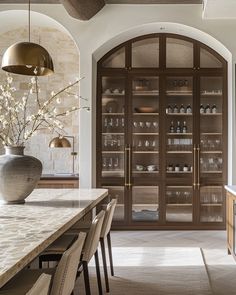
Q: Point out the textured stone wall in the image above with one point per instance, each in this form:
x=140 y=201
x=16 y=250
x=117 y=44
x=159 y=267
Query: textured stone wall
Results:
x=65 y=57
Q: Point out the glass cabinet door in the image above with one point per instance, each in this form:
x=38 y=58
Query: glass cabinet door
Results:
x=179 y=53
x=117 y=192
x=115 y=60
x=179 y=127
x=211 y=122
x=113 y=122
x=179 y=204
x=145 y=53
x=145 y=203
x=145 y=127
x=208 y=60
x=211 y=204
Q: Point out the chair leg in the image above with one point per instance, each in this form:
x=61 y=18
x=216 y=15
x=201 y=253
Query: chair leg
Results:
x=104 y=263
x=98 y=273
x=40 y=263
x=86 y=278
x=110 y=253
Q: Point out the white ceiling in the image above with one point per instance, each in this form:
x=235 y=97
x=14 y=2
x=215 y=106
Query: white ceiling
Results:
x=219 y=9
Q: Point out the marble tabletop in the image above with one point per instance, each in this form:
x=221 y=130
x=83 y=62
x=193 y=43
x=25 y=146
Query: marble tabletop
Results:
x=26 y=230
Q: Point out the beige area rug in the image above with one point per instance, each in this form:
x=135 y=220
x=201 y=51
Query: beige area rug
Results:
x=154 y=270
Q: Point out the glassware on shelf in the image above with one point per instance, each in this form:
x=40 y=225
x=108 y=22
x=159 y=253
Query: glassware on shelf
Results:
x=189 y=109
x=169 y=110
x=122 y=122
x=116 y=163
x=184 y=129
x=177 y=168
x=202 y=109
x=182 y=109
x=110 y=163
x=155 y=124
x=178 y=128
x=175 y=109
x=104 y=163
x=214 y=109
x=207 y=109
x=172 y=128
x=135 y=124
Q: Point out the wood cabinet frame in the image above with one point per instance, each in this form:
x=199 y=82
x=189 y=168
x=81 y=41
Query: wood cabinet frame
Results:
x=162 y=181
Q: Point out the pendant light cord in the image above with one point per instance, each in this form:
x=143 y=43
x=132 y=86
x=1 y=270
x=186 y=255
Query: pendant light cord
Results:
x=29 y=20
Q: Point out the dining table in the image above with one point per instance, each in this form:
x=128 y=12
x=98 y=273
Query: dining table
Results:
x=26 y=230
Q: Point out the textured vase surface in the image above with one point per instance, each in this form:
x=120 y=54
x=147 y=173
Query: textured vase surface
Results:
x=19 y=175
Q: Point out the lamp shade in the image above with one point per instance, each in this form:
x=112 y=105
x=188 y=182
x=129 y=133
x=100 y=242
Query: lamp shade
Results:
x=59 y=142
x=27 y=58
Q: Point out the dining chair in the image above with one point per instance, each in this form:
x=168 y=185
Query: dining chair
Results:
x=37 y=281
x=52 y=253
x=105 y=234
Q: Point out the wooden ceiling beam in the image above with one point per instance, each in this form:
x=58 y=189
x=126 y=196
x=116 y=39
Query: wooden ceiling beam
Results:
x=154 y=1
x=83 y=9
x=32 y=1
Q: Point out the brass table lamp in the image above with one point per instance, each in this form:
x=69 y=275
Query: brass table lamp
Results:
x=63 y=142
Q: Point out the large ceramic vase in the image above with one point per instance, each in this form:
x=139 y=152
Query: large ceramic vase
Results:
x=19 y=175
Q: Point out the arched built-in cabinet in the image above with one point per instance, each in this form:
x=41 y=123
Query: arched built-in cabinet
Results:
x=162 y=132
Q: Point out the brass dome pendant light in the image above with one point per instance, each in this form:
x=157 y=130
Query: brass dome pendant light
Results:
x=27 y=58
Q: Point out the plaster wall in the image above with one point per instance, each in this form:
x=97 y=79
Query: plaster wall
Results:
x=118 y=23
x=66 y=70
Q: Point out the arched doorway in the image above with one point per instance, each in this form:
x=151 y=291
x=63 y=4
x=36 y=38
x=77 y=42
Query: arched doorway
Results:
x=64 y=51
x=162 y=132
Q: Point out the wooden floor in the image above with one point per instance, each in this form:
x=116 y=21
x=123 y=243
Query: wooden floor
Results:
x=221 y=267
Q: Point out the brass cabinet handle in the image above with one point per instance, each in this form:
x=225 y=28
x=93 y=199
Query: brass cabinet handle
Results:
x=194 y=166
x=127 y=166
x=129 y=171
x=198 y=166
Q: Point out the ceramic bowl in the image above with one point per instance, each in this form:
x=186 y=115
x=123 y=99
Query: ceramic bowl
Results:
x=151 y=167
x=139 y=167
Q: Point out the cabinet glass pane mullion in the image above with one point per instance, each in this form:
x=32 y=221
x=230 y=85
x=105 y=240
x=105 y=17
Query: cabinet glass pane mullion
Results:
x=145 y=203
x=179 y=204
x=113 y=123
x=145 y=127
x=211 y=128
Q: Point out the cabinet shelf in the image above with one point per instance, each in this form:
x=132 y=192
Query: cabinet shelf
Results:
x=211 y=133
x=179 y=205
x=211 y=152
x=179 y=186
x=145 y=133
x=145 y=93
x=112 y=133
x=139 y=172
x=211 y=172
x=113 y=114
x=178 y=172
x=179 y=93
x=145 y=114
x=179 y=114
x=112 y=94
x=211 y=94
x=179 y=134
x=211 y=204
x=179 y=152
x=146 y=152
x=210 y=114
x=113 y=152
